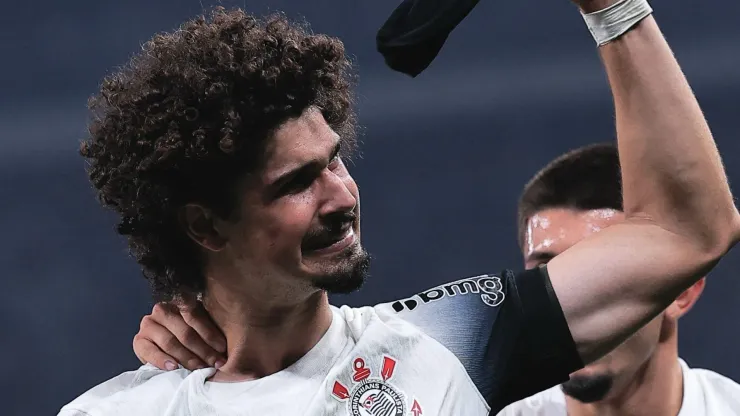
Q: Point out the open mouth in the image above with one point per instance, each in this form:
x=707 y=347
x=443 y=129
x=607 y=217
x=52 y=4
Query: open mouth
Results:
x=332 y=243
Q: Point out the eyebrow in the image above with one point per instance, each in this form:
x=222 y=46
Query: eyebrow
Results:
x=309 y=165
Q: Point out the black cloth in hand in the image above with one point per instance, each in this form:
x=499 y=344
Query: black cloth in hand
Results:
x=416 y=30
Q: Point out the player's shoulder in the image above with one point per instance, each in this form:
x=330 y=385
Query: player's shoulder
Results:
x=484 y=289
x=361 y=320
x=145 y=391
x=715 y=380
x=719 y=392
x=550 y=402
x=424 y=309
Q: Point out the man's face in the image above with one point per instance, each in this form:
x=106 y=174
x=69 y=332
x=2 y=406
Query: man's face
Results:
x=549 y=233
x=299 y=218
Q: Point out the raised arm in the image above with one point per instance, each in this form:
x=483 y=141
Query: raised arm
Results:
x=680 y=213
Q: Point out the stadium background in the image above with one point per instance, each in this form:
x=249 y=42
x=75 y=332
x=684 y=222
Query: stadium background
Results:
x=443 y=160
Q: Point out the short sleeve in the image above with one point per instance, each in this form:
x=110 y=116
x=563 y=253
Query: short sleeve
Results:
x=508 y=331
x=543 y=354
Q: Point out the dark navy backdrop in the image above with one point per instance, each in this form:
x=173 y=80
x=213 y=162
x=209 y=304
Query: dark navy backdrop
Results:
x=443 y=160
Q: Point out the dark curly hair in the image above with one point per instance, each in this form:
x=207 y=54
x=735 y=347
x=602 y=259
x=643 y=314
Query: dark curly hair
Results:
x=191 y=114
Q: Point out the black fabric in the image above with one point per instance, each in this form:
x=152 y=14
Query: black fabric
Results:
x=507 y=331
x=538 y=351
x=416 y=31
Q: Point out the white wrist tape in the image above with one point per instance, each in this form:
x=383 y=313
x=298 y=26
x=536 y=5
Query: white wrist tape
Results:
x=614 y=21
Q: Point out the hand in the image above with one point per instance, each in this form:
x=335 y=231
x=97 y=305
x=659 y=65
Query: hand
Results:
x=590 y=6
x=180 y=334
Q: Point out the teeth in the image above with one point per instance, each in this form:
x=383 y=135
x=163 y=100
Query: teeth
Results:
x=340 y=238
x=344 y=235
x=345 y=232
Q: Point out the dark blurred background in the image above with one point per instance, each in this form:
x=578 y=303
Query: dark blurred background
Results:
x=444 y=158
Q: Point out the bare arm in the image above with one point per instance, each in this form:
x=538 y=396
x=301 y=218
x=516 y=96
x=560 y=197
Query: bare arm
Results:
x=680 y=213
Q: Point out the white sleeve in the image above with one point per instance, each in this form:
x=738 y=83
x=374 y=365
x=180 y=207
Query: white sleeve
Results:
x=72 y=412
x=127 y=393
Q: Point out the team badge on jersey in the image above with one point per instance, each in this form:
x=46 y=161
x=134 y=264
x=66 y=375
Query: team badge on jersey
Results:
x=373 y=396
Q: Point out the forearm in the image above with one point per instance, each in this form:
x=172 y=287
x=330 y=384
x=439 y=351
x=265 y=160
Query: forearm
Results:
x=671 y=170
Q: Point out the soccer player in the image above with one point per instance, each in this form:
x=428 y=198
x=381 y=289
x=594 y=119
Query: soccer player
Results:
x=573 y=197
x=221 y=147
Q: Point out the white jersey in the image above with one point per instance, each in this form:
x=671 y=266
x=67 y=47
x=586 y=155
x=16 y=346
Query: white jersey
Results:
x=705 y=393
x=466 y=348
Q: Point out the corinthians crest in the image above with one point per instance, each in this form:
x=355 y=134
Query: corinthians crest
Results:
x=373 y=396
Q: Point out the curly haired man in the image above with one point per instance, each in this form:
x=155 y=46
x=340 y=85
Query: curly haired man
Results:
x=221 y=147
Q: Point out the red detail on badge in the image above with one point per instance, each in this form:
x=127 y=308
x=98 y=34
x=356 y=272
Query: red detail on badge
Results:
x=389 y=365
x=416 y=409
x=361 y=372
x=340 y=391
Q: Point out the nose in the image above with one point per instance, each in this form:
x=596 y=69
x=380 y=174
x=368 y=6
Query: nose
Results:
x=338 y=196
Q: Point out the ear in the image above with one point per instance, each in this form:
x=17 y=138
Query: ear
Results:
x=202 y=226
x=686 y=300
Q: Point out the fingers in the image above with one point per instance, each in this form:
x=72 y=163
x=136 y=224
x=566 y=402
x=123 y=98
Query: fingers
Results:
x=166 y=344
x=187 y=337
x=199 y=319
x=147 y=352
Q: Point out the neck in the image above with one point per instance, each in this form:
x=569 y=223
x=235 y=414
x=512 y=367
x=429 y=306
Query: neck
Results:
x=656 y=390
x=265 y=332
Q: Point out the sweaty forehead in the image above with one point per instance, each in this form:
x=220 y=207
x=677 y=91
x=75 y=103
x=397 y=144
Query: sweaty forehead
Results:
x=555 y=230
x=299 y=141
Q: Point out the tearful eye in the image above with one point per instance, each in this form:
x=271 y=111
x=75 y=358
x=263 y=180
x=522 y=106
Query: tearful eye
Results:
x=303 y=178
